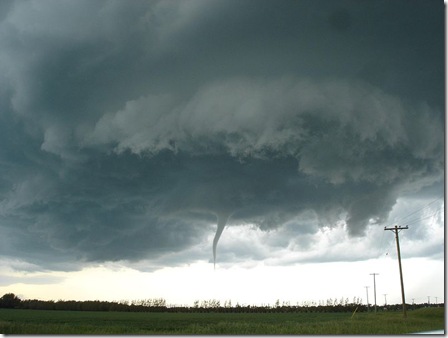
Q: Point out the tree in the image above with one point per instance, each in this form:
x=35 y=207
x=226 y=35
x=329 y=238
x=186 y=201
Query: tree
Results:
x=9 y=300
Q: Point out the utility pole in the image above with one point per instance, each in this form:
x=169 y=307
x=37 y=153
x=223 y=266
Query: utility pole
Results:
x=396 y=229
x=385 y=299
x=428 y=301
x=374 y=288
x=367 y=291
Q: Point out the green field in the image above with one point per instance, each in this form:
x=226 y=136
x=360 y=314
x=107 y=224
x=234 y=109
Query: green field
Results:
x=17 y=321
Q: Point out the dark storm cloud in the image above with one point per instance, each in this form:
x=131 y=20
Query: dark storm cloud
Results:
x=129 y=127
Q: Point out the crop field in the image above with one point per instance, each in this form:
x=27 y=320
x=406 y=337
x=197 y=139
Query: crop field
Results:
x=20 y=321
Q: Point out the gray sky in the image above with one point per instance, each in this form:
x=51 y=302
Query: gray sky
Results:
x=129 y=127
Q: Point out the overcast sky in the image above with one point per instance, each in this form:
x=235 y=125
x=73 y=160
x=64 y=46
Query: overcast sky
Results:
x=134 y=132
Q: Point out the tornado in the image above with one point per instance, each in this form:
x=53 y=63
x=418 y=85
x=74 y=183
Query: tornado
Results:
x=222 y=220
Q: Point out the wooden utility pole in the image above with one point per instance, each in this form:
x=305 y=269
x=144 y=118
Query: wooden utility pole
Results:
x=367 y=291
x=396 y=229
x=374 y=288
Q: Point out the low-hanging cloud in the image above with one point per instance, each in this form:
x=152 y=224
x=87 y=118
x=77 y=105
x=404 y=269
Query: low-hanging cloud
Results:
x=336 y=131
x=317 y=122
x=138 y=137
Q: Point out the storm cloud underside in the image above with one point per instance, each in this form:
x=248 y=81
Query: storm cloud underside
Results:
x=137 y=129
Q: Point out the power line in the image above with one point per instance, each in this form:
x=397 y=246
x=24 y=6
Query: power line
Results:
x=415 y=211
x=404 y=219
x=417 y=220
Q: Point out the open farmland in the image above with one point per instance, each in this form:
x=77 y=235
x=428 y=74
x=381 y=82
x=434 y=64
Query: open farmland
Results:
x=19 y=321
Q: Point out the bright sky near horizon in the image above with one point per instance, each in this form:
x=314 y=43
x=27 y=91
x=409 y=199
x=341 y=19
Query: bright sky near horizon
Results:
x=139 y=137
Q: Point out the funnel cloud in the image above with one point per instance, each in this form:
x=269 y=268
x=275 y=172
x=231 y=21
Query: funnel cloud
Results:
x=222 y=220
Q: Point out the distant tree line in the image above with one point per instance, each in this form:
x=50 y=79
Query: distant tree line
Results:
x=10 y=300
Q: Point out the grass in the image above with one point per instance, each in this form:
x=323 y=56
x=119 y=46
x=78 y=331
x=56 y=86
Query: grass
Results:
x=16 y=321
